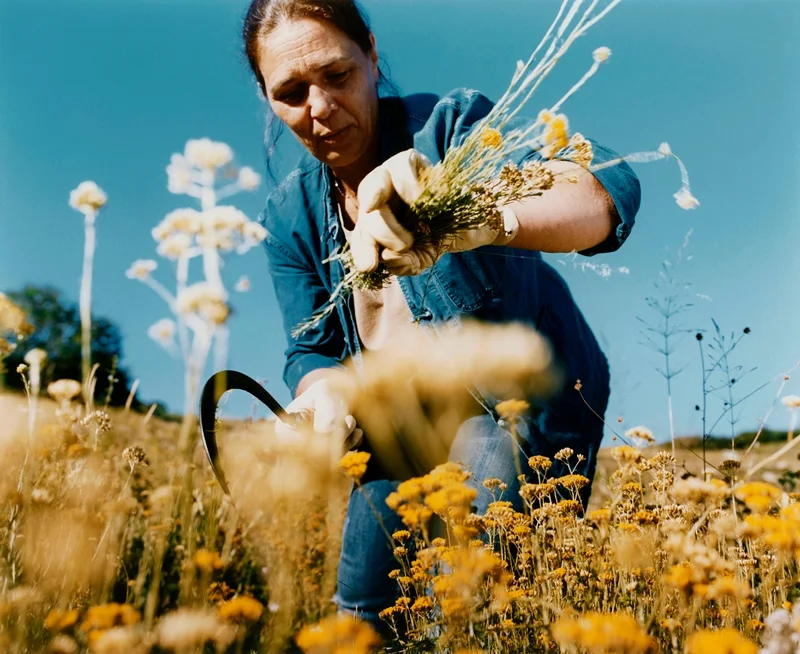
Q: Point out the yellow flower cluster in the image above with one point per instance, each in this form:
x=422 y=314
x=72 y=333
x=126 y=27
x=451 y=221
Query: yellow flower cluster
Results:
x=491 y=138
x=724 y=641
x=442 y=492
x=338 y=634
x=782 y=531
x=107 y=616
x=601 y=633
x=759 y=496
x=208 y=561
x=354 y=464
x=241 y=609
x=555 y=136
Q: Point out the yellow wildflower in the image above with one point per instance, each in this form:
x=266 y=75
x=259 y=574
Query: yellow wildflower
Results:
x=207 y=561
x=401 y=536
x=107 y=616
x=422 y=604
x=625 y=454
x=491 y=138
x=539 y=462
x=241 y=609
x=681 y=576
x=573 y=482
x=354 y=464
x=339 y=633
x=758 y=488
x=599 y=515
x=724 y=641
x=599 y=632
x=60 y=620
x=512 y=409
x=728 y=587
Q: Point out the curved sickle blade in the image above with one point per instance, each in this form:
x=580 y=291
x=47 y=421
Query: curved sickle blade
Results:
x=218 y=384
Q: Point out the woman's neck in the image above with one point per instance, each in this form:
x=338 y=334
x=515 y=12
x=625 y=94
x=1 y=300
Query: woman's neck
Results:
x=350 y=176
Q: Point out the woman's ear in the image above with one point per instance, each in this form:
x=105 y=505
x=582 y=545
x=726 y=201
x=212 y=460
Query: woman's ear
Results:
x=373 y=55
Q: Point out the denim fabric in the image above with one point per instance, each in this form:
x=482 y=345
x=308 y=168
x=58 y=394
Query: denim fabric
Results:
x=492 y=284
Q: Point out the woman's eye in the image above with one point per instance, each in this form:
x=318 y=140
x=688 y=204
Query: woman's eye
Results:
x=294 y=96
x=339 y=77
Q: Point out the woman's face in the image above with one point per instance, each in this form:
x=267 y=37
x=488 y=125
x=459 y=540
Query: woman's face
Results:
x=323 y=87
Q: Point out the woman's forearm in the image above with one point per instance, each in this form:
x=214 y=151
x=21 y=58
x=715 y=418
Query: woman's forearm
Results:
x=570 y=216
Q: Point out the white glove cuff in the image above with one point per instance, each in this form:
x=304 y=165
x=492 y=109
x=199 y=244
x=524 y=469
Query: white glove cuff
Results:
x=510 y=227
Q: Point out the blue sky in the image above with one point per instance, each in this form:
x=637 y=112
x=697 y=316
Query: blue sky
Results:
x=93 y=89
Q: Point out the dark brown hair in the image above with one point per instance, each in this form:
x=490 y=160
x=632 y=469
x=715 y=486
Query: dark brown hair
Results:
x=263 y=16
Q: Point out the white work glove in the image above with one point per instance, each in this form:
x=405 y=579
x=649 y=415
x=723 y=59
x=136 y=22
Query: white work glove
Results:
x=330 y=415
x=378 y=236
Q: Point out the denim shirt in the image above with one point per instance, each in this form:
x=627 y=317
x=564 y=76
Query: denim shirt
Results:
x=494 y=284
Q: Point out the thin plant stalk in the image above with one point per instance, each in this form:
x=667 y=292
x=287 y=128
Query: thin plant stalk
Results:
x=86 y=293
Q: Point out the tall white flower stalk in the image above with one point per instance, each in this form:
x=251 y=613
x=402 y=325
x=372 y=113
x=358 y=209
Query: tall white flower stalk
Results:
x=87 y=198
x=205 y=172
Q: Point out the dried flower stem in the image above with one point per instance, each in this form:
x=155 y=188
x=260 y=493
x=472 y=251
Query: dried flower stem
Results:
x=86 y=293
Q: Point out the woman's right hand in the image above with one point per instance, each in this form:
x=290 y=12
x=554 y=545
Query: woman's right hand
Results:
x=330 y=414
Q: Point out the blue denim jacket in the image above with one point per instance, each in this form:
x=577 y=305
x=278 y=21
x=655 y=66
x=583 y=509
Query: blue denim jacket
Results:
x=495 y=284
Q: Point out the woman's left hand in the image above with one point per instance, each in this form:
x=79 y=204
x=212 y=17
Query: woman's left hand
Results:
x=379 y=237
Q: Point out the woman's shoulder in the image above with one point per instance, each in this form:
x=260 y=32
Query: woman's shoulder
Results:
x=437 y=123
x=306 y=178
x=423 y=106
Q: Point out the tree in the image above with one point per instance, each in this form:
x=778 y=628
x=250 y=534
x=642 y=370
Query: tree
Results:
x=57 y=330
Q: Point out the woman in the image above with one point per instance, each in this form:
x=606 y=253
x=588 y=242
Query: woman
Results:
x=316 y=63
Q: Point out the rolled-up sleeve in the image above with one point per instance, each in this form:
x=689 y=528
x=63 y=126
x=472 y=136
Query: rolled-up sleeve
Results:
x=300 y=293
x=622 y=185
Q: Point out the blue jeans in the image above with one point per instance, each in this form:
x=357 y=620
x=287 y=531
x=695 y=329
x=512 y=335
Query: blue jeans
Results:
x=488 y=450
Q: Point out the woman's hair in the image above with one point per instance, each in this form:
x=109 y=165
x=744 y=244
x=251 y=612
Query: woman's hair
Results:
x=263 y=16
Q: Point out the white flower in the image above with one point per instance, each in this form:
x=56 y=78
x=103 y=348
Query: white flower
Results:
x=205 y=153
x=141 y=269
x=242 y=284
x=118 y=640
x=87 y=197
x=623 y=270
x=685 y=199
x=601 y=55
x=191 y=629
x=161 y=231
x=219 y=240
x=224 y=217
x=791 y=401
x=254 y=232
x=174 y=245
x=665 y=149
x=41 y=496
x=640 y=434
x=64 y=390
x=205 y=300
x=179 y=175
x=35 y=357
x=162 y=332
x=188 y=221
x=273 y=607
x=249 y=179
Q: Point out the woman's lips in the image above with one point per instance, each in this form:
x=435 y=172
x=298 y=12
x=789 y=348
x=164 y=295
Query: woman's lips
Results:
x=336 y=137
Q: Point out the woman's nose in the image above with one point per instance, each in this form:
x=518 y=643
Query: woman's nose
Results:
x=321 y=102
